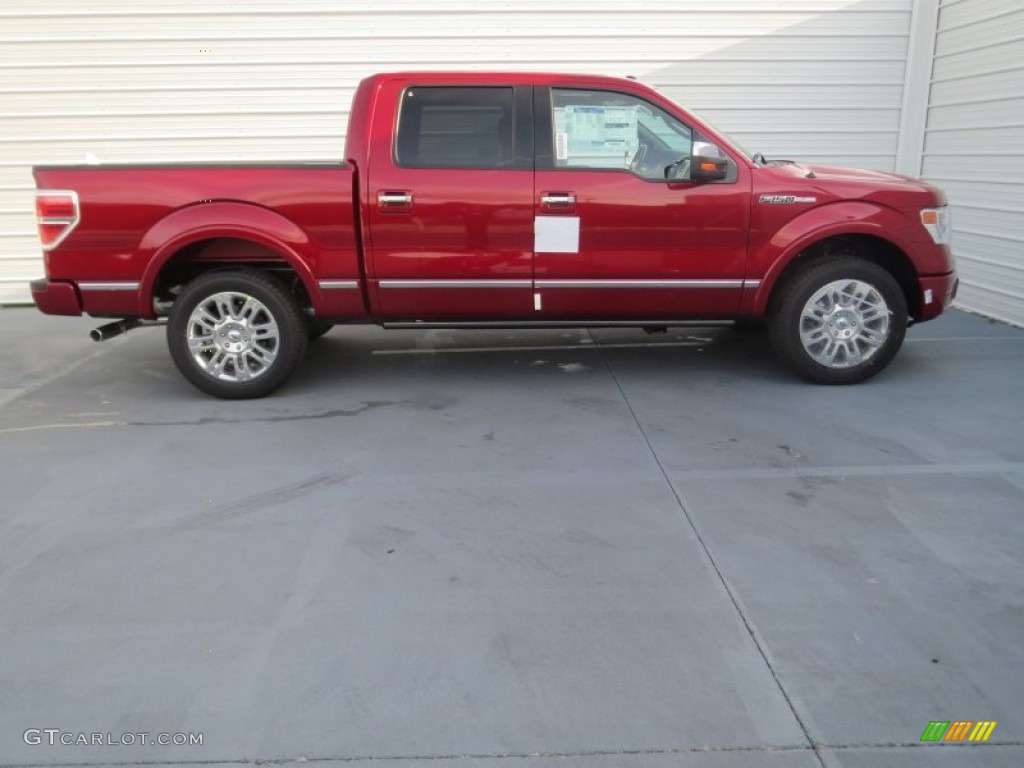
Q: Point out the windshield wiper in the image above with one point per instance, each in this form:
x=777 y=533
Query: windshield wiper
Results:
x=760 y=159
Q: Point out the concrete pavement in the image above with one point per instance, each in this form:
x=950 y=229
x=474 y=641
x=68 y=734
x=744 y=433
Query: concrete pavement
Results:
x=523 y=548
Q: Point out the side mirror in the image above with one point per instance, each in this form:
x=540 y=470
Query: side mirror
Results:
x=708 y=168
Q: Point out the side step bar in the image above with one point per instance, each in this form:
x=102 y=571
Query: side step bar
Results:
x=541 y=324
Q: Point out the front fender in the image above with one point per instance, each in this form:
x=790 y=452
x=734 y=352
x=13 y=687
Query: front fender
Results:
x=242 y=221
x=847 y=217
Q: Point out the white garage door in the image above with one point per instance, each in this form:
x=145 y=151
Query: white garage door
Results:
x=974 y=147
x=256 y=80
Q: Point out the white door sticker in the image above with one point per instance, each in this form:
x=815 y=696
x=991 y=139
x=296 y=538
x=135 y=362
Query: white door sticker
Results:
x=556 y=234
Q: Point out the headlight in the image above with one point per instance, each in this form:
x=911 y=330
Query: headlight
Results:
x=936 y=221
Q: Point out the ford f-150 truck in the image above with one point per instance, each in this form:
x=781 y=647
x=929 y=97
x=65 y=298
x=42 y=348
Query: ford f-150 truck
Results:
x=497 y=200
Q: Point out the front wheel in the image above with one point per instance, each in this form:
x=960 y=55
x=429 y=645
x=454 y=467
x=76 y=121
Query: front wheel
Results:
x=236 y=334
x=839 y=322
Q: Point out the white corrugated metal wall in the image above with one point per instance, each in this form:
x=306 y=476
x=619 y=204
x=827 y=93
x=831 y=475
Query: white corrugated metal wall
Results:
x=974 y=147
x=255 y=80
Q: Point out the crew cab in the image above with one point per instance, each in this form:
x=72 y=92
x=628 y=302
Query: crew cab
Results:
x=497 y=200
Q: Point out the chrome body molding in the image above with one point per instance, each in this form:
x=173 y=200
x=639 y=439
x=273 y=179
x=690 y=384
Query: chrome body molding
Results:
x=455 y=283
x=592 y=283
x=91 y=286
x=640 y=283
x=337 y=285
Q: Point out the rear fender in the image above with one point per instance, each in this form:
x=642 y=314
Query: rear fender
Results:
x=242 y=221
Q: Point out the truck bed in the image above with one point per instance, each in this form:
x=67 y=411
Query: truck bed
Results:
x=133 y=215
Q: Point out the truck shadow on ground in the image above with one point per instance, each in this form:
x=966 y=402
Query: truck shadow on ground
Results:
x=693 y=352
x=697 y=356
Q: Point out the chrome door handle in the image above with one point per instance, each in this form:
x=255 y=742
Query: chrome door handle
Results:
x=394 y=198
x=558 y=199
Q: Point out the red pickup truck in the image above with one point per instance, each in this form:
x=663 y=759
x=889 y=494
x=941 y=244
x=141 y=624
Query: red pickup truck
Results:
x=497 y=200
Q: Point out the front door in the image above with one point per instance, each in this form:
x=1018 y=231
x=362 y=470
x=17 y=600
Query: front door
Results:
x=621 y=232
x=451 y=204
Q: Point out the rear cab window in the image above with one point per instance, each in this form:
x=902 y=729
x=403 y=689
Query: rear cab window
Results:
x=456 y=127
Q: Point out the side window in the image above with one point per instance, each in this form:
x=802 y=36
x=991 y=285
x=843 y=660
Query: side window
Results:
x=464 y=127
x=607 y=130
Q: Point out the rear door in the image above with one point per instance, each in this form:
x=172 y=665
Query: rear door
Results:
x=621 y=231
x=451 y=202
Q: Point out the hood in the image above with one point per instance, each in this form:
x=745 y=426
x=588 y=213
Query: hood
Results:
x=851 y=182
x=839 y=173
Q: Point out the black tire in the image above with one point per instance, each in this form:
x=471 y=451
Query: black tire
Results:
x=862 y=337
x=251 y=364
x=316 y=328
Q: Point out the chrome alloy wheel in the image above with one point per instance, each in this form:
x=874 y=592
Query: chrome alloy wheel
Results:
x=233 y=336
x=844 y=323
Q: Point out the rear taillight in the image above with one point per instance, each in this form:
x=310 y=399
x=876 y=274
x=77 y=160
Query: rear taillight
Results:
x=56 y=215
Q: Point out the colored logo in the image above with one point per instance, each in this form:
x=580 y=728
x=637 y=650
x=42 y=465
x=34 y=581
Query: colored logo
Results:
x=958 y=730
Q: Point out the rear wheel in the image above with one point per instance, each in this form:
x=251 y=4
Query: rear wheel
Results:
x=236 y=334
x=839 y=322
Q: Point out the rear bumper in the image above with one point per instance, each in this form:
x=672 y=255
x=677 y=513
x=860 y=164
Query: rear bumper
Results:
x=937 y=293
x=56 y=297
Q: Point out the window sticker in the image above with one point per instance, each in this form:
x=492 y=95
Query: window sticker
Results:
x=597 y=136
x=562 y=146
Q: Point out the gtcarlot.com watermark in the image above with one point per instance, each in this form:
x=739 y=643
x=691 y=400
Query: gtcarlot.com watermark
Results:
x=55 y=737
